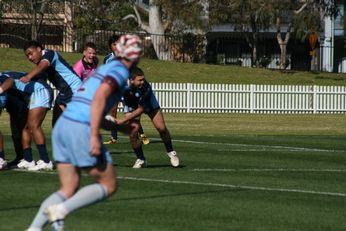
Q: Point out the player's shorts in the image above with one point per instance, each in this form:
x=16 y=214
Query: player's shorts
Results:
x=71 y=144
x=63 y=97
x=40 y=98
x=149 y=106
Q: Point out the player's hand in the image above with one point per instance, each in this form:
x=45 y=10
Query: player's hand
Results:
x=24 y=79
x=95 y=146
x=120 y=121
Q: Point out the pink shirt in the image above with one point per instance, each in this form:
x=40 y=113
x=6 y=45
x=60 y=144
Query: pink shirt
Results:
x=84 y=69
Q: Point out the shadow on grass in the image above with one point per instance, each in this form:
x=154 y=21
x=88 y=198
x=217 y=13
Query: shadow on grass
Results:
x=174 y=195
x=133 y=198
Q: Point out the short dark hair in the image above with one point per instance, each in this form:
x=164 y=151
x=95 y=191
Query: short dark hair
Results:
x=113 y=39
x=91 y=45
x=32 y=43
x=136 y=71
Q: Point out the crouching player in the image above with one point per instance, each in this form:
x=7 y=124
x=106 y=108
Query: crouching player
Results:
x=139 y=98
x=16 y=106
x=77 y=143
x=40 y=97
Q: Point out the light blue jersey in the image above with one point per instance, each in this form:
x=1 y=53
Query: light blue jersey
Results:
x=79 y=108
x=71 y=134
x=39 y=91
x=3 y=96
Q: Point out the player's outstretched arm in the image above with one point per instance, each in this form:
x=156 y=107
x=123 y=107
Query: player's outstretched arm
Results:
x=43 y=65
x=8 y=83
x=131 y=115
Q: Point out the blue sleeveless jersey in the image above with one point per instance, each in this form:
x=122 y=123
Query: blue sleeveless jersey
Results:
x=79 y=108
x=60 y=73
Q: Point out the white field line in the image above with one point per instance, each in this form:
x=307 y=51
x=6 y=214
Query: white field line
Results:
x=263 y=147
x=254 y=147
x=266 y=170
x=209 y=184
x=257 y=188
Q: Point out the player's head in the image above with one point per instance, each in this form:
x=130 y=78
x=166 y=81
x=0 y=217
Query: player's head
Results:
x=33 y=51
x=136 y=77
x=112 y=41
x=129 y=48
x=89 y=52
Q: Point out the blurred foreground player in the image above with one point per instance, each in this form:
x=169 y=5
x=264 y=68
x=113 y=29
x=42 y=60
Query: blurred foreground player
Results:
x=85 y=151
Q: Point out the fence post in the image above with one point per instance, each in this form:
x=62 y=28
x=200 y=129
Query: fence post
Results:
x=188 y=97
x=252 y=98
x=314 y=103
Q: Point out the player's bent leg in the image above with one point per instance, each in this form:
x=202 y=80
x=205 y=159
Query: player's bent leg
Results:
x=106 y=176
x=159 y=123
x=35 y=120
x=87 y=195
x=69 y=177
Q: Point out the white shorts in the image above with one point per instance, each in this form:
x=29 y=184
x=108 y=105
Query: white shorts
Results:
x=40 y=98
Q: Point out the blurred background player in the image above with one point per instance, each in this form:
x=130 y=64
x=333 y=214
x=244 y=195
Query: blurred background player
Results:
x=113 y=112
x=85 y=151
x=88 y=63
x=139 y=98
x=59 y=73
x=39 y=96
x=3 y=99
x=17 y=108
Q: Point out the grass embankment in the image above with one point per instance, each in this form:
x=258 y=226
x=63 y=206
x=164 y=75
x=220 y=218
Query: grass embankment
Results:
x=163 y=71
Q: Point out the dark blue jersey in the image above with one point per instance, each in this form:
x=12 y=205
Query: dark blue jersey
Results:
x=108 y=58
x=16 y=100
x=144 y=96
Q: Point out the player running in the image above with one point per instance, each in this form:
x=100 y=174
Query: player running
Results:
x=77 y=143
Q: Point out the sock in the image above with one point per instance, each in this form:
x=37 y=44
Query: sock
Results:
x=114 y=134
x=27 y=154
x=42 y=150
x=140 y=130
x=169 y=146
x=87 y=195
x=2 y=154
x=41 y=219
x=139 y=153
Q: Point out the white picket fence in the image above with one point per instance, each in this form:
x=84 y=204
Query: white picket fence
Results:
x=249 y=98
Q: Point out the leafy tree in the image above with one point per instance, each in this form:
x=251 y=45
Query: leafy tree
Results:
x=165 y=17
x=303 y=17
x=251 y=17
x=102 y=14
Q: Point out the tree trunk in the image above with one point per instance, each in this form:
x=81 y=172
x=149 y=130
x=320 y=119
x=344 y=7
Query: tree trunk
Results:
x=283 y=55
x=157 y=31
x=283 y=43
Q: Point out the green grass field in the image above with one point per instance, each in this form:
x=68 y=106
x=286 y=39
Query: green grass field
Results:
x=238 y=172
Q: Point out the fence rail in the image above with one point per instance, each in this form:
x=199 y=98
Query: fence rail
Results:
x=250 y=98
